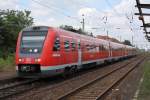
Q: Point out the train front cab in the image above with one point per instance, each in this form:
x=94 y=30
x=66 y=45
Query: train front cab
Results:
x=29 y=51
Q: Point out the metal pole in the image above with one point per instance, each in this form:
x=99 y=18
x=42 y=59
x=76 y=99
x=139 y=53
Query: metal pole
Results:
x=120 y=38
x=83 y=22
x=132 y=39
x=109 y=44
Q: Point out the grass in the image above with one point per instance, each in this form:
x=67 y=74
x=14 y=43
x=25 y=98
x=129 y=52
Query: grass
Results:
x=7 y=64
x=145 y=86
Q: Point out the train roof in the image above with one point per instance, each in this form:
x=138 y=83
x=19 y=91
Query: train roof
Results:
x=104 y=42
x=39 y=28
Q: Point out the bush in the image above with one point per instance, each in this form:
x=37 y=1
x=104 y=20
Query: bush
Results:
x=8 y=63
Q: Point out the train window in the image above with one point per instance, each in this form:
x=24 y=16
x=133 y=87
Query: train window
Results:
x=97 y=49
x=102 y=48
x=66 y=45
x=91 y=48
x=87 y=47
x=73 y=45
x=79 y=46
x=32 y=42
x=56 y=44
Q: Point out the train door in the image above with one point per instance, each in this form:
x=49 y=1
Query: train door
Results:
x=111 y=51
x=109 y=48
x=79 y=53
x=66 y=51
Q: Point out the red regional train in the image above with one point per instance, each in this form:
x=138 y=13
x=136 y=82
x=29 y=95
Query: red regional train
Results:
x=46 y=51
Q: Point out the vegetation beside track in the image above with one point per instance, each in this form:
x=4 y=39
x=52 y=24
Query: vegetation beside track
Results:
x=11 y=22
x=145 y=86
x=7 y=64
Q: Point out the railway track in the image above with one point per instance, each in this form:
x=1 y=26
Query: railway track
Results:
x=8 y=81
x=11 y=82
x=63 y=89
x=15 y=86
x=97 y=88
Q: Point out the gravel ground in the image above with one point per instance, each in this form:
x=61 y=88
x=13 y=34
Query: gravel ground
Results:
x=127 y=88
x=7 y=75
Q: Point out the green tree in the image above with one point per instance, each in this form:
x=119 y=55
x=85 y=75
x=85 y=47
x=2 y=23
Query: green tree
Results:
x=11 y=22
x=127 y=42
x=70 y=28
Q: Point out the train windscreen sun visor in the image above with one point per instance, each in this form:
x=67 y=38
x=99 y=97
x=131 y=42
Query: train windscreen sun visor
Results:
x=32 y=41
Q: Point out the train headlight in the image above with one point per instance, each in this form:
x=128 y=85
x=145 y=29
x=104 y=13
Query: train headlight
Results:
x=37 y=60
x=20 y=60
x=35 y=50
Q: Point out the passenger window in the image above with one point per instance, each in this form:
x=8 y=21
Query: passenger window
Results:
x=97 y=49
x=101 y=48
x=73 y=45
x=79 y=46
x=66 y=45
x=87 y=47
x=56 y=44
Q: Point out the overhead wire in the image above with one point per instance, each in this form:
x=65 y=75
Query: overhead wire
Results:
x=55 y=9
x=85 y=5
x=115 y=11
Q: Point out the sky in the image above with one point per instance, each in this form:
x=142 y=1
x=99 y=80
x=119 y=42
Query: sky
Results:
x=101 y=16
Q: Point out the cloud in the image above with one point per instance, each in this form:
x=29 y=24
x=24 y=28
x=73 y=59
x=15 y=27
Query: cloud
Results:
x=9 y=4
x=120 y=17
x=87 y=11
x=121 y=22
x=127 y=21
x=144 y=1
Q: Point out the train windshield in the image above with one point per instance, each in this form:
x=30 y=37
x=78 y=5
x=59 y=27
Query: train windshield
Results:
x=32 y=42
